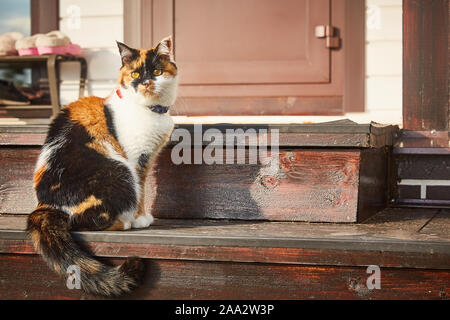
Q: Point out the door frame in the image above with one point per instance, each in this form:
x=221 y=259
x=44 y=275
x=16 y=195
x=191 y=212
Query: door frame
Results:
x=44 y=15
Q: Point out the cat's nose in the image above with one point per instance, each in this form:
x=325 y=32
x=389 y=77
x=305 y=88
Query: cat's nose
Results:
x=146 y=81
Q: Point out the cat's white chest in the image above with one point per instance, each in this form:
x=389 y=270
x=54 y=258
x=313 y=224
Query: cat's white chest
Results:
x=140 y=130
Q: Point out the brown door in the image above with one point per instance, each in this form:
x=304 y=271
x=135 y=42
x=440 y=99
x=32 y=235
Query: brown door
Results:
x=239 y=57
x=251 y=42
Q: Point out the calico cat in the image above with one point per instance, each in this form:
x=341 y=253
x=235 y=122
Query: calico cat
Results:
x=91 y=170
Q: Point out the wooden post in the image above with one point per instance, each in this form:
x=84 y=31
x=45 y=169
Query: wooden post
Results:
x=425 y=65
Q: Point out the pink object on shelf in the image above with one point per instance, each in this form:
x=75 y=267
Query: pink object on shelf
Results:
x=72 y=49
x=28 y=52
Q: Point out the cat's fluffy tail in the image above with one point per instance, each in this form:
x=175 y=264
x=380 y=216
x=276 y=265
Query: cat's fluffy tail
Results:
x=49 y=231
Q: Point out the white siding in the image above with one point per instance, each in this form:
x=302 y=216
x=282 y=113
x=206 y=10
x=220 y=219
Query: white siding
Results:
x=95 y=26
x=384 y=59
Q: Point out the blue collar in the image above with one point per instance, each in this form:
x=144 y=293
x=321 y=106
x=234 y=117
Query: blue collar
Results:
x=159 y=109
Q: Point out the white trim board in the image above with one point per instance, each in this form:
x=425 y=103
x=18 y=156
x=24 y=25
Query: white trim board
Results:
x=423 y=183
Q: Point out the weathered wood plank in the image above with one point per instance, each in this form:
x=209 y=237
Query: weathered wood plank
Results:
x=308 y=185
x=16 y=180
x=433 y=167
x=288 y=139
x=17 y=139
x=27 y=277
x=407 y=220
x=394 y=238
x=399 y=225
x=327 y=184
x=13 y=222
x=26 y=112
x=342 y=133
x=438 y=225
x=425 y=65
x=303 y=256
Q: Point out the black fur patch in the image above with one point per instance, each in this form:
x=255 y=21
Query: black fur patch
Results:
x=82 y=172
x=110 y=122
x=143 y=159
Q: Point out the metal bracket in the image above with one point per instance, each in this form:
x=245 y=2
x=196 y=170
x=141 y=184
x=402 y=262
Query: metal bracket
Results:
x=329 y=33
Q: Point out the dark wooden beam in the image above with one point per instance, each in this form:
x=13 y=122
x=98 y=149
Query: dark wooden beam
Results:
x=425 y=65
x=28 y=277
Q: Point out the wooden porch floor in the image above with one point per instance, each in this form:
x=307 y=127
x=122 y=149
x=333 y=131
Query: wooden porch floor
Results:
x=219 y=259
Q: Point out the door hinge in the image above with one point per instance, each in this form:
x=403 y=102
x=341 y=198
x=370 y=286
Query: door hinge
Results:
x=330 y=35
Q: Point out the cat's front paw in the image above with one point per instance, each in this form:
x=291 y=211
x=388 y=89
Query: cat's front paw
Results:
x=142 y=221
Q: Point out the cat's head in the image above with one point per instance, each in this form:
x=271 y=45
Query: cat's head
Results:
x=149 y=76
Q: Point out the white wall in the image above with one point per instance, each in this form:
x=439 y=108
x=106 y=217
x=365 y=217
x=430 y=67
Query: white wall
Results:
x=384 y=59
x=95 y=25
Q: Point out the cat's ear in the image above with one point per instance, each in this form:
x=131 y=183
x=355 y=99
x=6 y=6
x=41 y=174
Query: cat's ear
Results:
x=165 y=46
x=126 y=53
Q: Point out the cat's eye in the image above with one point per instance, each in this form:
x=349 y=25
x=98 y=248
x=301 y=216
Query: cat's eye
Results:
x=135 y=75
x=157 y=72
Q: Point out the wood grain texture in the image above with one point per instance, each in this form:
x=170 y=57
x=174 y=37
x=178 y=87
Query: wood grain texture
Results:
x=27 y=277
x=35 y=111
x=341 y=133
x=307 y=185
x=328 y=261
x=288 y=139
x=440 y=223
x=399 y=226
x=434 y=167
x=302 y=256
x=16 y=180
x=425 y=65
x=405 y=238
x=327 y=184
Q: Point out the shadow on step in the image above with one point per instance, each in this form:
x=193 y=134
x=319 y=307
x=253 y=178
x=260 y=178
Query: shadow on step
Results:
x=205 y=191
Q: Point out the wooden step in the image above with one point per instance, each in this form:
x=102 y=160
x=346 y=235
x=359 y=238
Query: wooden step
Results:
x=333 y=172
x=29 y=111
x=205 y=259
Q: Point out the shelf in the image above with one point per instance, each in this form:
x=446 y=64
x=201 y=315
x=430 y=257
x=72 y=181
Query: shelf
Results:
x=52 y=62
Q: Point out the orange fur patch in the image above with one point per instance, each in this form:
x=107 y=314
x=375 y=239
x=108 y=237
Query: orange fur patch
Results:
x=90 y=202
x=55 y=186
x=38 y=175
x=89 y=112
